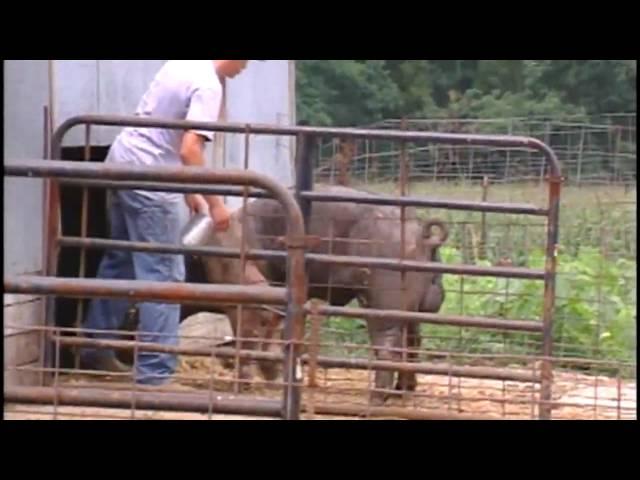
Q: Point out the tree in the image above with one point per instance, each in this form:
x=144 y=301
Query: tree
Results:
x=360 y=92
x=345 y=92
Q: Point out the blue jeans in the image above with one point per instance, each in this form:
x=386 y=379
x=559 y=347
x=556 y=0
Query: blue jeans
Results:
x=138 y=218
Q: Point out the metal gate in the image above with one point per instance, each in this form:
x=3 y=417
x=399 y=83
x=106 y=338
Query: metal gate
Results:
x=294 y=295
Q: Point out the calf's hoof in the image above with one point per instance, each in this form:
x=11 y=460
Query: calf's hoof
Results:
x=406 y=386
x=269 y=371
x=378 y=399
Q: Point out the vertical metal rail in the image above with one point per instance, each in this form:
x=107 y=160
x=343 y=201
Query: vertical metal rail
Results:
x=403 y=181
x=304 y=173
x=550 y=267
x=83 y=234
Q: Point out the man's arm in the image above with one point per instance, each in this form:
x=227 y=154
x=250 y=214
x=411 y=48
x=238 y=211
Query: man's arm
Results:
x=191 y=154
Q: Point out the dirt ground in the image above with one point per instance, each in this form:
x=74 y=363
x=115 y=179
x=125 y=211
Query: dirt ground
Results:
x=577 y=396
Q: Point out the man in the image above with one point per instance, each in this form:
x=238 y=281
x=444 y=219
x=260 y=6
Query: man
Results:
x=181 y=90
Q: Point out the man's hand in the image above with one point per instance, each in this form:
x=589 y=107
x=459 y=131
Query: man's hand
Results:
x=221 y=216
x=191 y=155
x=197 y=203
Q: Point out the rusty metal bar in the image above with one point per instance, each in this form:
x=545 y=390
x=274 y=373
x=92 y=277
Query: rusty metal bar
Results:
x=243 y=266
x=83 y=232
x=431 y=137
x=168 y=248
x=205 y=403
x=173 y=174
x=167 y=187
x=428 y=368
x=395 y=265
x=221 y=352
x=342 y=260
x=148 y=400
x=550 y=267
x=404 y=174
x=563 y=362
x=304 y=176
x=409 y=201
x=171 y=292
x=390 y=412
x=46 y=303
x=432 y=318
x=53 y=225
x=320 y=361
x=309 y=196
x=294 y=327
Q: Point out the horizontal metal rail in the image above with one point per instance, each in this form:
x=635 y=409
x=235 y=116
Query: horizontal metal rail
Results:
x=204 y=402
x=414 y=266
x=341 y=260
x=145 y=400
x=167 y=187
x=365 y=411
x=426 y=202
x=255 y=129
x=170 y=292
x=321 y=361
x=369 y=199
x=432 y=318
x=159 y=174
x=224 y=351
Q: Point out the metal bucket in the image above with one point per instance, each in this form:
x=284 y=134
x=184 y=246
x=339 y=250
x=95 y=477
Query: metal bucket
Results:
x=197 y=230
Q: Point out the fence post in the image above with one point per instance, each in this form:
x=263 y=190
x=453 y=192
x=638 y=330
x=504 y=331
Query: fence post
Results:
x=547 y=135
x=506 y=170
x=483 y=224
x=580 y=151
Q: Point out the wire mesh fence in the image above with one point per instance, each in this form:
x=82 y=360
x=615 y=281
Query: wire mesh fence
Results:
x=601 y=153
x=205 y=385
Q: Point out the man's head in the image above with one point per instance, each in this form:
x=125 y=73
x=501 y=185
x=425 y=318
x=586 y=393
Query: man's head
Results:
x=230 y=68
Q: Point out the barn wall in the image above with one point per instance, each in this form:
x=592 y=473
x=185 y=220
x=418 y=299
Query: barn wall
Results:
x=261 y=94
x=99 y=87
x=26 y=92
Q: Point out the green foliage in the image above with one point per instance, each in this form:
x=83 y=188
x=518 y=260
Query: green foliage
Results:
x=595 y=310
x=595 y=302
x=343 y=92
x=358 y=92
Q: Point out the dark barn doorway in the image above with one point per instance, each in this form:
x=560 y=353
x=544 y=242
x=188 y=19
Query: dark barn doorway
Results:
x=66 y=312
x=69 y=258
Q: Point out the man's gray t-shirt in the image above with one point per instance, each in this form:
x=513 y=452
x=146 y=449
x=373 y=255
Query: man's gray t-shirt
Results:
x=181 y=90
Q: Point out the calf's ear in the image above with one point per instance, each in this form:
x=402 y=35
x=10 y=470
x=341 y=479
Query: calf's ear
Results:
x=252 y=275
x=428 y=232
x=361 y=276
